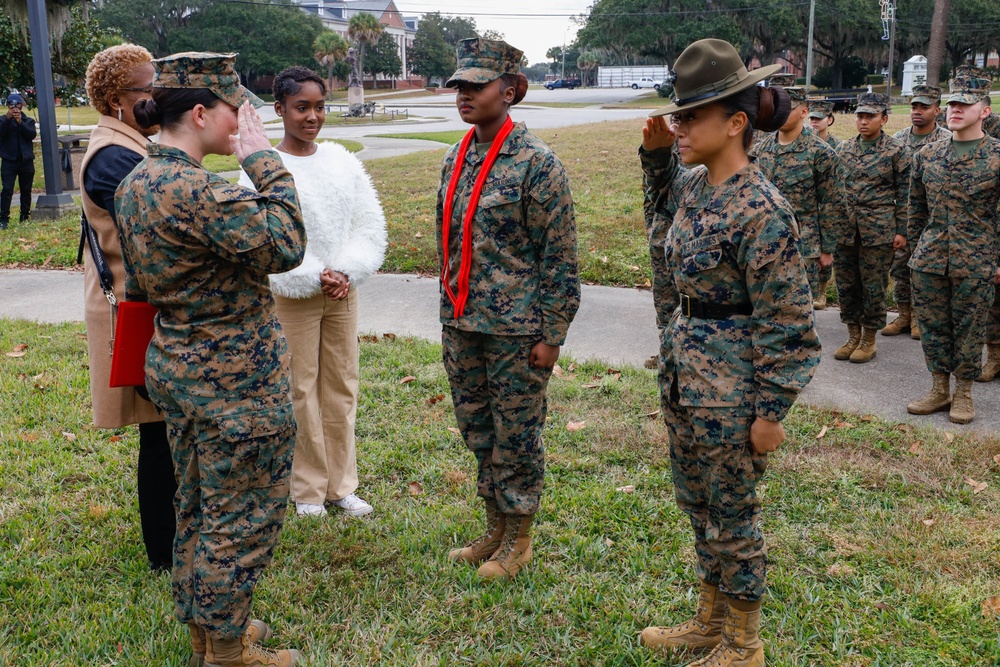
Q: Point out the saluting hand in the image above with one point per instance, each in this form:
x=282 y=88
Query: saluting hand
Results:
x=657 y=134
x=766 y=435
x=252 y=137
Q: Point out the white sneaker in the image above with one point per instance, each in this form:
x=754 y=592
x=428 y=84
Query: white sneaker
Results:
x=307 y=509
x=353 y=506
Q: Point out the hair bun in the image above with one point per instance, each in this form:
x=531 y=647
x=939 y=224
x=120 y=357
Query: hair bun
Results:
x=774 y=107
x=521 y=89
x=147 y=113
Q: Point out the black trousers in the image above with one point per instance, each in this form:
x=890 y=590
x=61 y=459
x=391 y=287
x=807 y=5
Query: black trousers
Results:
x=157 y=486
x=22 y=172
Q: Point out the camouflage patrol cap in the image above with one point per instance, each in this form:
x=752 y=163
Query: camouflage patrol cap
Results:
x=484 y=60
x=873 y=103
x=783 y=80
x=820 y=108
x=926 y=95
x=213 y=71
x=969 y=88
x=797 y=95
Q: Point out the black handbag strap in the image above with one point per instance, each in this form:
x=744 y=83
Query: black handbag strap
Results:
x=89 y=238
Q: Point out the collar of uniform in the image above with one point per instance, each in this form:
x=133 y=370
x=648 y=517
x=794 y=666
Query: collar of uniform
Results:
x=159 y=150
x=716 y=198
x=877 y=146
x=511 y=146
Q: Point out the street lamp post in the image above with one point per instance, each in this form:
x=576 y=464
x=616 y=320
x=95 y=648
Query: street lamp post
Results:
x=54 y=203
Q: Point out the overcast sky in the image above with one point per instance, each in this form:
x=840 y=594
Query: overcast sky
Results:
x=523 y=23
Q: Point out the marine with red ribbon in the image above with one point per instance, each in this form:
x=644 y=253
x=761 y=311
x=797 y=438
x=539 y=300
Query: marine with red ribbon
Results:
x=510 y=288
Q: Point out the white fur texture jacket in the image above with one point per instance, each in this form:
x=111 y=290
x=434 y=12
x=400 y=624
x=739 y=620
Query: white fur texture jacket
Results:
x=345 y=225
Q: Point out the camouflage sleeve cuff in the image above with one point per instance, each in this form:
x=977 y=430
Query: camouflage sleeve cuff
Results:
x=261 y=167
x=661 y=158
x=773 y=407
x=555 y=335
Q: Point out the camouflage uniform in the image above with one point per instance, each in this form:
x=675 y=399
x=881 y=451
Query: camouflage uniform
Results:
x=200 y=250
x=731 y=246
x=807 y=173
x=954 y=227
x=900 y=271
x=524 y=287
x=876 y=182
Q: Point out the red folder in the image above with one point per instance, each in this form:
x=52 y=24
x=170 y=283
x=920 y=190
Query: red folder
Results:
x=133 y=332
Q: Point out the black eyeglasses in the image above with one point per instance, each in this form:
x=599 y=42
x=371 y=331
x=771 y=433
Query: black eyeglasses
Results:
x=147 y=89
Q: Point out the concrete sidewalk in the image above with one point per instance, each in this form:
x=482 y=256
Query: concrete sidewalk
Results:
x=615 y=325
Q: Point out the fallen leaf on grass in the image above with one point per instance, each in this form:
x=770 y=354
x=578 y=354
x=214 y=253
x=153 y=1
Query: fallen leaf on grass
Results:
x=575 y=426
x=115 y=438
x=415 y=489
x=844 y=425
x=608 y=542
x=434 y=399
x=991 y=607
x=591 y=386
x=454 y=430
x=18 y=350
x=557 y=371
x=572 y=367
x=917 y=447
x=389 y=336
x=905 y=428
x=368 y=338
x=881 y=606
x=418 y=235
x=407 y=379
x=950 y=437
x=868 y=418
x=69 y=435
x=996 y=459
x=976 y=486
x=653 y=415
x=628 y=488
x=840 y=570
x=822 y=432
x=928 y=522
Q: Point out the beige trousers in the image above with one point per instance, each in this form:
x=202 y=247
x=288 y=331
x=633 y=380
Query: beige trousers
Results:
x=323 y=339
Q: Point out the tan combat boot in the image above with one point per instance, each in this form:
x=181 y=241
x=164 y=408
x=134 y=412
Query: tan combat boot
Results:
x=901 y=323
x=962 y=410
x=914 y=329
x=514 y=552
x=845 y=351
x=939 y=397
x=992 y=366
x=257 y=631
x=244 y=652
x=865 y=351
x=740 y=646
x=819 y=303
x=704 y=631
x=481 y=548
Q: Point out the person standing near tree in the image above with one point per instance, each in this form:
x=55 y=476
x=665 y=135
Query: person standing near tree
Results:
x=740 y=342
x=877 y=172
x=807 y=172
x=17 y=159
x=925 y=105
x=954 y=227
x=510 y=288
x=200 y=249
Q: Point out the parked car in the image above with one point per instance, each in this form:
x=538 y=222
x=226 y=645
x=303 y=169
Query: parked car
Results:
x=644 y=82
x=563 y=83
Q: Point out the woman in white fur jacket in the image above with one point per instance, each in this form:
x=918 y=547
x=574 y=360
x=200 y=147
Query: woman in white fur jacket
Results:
x=317 y=303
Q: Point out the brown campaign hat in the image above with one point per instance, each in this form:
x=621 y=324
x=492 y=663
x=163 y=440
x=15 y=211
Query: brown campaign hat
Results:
x=484 y=60
x=196 y=69
x=707 y=71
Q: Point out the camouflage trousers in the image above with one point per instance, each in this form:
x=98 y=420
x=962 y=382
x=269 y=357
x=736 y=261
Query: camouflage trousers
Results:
x=952 y=313
x=715 y=476
x=812 y=274
x=900 y=274
x=862 y=279
x=232 y=473
x=500 y=408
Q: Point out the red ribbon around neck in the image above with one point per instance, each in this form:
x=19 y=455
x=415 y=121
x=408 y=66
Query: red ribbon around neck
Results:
x=466 y=266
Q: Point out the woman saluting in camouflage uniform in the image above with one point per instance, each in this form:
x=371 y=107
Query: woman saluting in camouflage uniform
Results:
x=200 y=250
x=740 y=342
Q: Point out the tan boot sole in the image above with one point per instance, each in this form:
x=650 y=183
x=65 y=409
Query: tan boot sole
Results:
x=653 y=638
x=492 y=570
x=961 y=420
x=925 y=411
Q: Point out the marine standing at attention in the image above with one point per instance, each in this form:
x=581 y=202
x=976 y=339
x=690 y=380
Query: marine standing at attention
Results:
x=954 y=227
x=740 y=342
x=200 y=250
x=509 y=291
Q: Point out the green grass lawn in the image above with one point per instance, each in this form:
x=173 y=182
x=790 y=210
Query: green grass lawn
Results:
x=881 y=552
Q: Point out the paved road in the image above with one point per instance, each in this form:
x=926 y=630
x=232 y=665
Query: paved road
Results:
x=614 y=324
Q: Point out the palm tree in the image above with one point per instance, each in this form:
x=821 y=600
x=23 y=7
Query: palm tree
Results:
x=328 y=49
x=362 y=29
x=937 y=45
x=587 y=62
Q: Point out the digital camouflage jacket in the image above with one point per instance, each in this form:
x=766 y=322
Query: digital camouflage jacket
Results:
x=915 y=141
x=733 y=244
x=524 y=279
x=876 y=181
x=953 y=217
x=807 y=174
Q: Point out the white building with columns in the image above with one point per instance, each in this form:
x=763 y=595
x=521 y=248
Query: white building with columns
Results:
x=336 y=15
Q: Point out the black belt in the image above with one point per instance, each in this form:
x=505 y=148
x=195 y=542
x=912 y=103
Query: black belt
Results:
x=712 y=311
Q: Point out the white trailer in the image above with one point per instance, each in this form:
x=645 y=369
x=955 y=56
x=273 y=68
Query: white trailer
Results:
x=619 y=76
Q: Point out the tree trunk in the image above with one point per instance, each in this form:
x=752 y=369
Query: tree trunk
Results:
x=936 y=47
